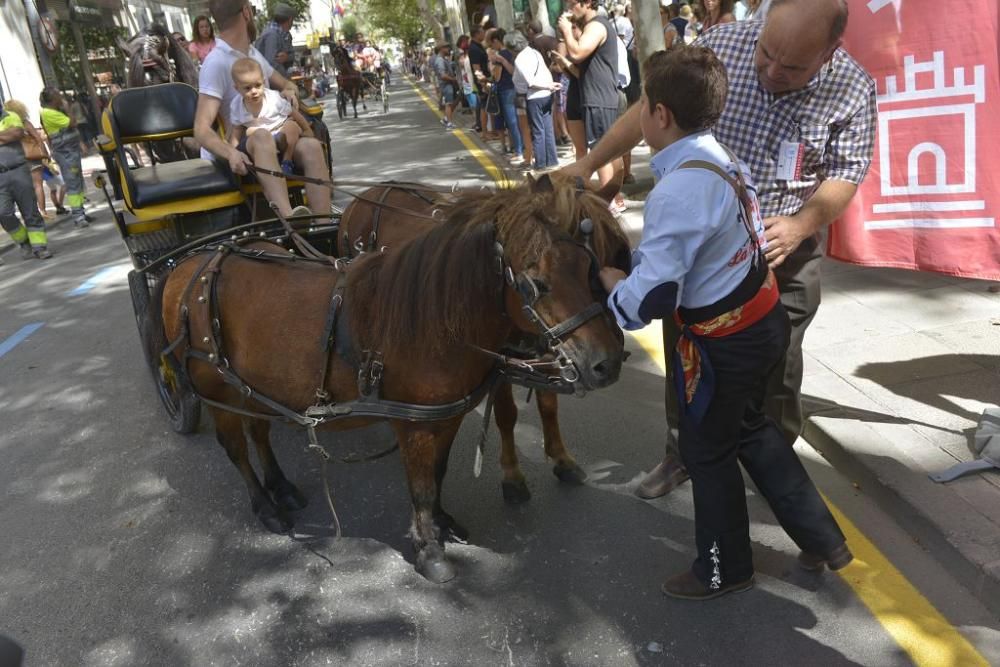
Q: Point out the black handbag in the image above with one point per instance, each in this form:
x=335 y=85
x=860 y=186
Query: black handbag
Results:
x=492 y=105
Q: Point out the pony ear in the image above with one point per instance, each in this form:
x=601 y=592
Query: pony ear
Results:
x=542 y=184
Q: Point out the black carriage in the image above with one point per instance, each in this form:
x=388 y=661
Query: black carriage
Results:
x=170 y=208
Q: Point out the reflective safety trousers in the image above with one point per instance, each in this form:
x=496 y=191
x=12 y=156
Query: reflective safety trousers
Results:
x=17 y=189
x=66 y=151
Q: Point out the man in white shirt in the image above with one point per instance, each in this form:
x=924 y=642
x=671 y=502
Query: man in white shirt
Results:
x=624 y=27
x=236 y=31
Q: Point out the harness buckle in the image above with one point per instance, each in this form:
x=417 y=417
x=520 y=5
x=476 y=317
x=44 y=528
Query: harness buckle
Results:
x=370 y=373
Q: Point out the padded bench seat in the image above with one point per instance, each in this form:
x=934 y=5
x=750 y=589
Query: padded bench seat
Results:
x=186 y=179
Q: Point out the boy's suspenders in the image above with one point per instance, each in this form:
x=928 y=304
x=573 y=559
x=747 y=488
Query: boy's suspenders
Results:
x=740 y=186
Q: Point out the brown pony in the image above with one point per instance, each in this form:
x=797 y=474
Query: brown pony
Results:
x=389 y=216
x=349 y=82
x=434 y=313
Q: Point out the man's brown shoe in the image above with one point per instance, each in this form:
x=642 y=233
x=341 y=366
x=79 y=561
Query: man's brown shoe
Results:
x=837 y=559
x=663 y=479
x=686 y=586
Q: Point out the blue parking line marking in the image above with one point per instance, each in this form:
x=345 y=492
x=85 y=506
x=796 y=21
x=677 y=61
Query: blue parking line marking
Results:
x=93 y=281
x=21 y=334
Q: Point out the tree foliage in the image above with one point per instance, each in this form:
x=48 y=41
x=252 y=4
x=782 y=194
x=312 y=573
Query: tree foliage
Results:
x=100 y=42
x=401 y=19
x=349 y=27
x=300 y=6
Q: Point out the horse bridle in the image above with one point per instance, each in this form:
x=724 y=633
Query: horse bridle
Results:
x=529 y=371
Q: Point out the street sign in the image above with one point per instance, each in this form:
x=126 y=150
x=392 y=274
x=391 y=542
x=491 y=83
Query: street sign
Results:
x=94 y=12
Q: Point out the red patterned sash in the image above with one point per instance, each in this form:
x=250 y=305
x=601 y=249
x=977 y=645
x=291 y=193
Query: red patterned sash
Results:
x=726 y=324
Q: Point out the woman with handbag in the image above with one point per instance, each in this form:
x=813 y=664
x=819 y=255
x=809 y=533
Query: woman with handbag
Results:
x=533 y=78
x=17 y=193
x=35 y=151
x=503 y=74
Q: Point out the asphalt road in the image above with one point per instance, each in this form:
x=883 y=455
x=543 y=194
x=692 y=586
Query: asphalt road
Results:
x=123 y=543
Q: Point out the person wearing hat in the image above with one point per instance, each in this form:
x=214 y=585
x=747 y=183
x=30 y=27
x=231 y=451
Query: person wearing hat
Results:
x=275 y=40
x=447 y=77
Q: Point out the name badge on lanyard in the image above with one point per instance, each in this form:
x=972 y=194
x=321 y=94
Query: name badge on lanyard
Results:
x=790 y=161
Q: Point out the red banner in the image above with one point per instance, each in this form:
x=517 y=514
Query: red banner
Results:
x=932 y=198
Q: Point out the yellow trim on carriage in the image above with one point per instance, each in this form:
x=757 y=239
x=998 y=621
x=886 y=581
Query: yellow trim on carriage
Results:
x=149 y=226
x=180 y=206
x=162 y=136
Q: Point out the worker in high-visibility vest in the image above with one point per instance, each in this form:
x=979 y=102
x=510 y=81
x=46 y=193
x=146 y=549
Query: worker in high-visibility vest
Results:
x=17 y=188
x=65 y=142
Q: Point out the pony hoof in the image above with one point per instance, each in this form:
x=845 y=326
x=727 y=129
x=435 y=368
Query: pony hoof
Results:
x=569 y=473
x=515 y=493
x=434 y=567
x=275 y=520
x=289 y=498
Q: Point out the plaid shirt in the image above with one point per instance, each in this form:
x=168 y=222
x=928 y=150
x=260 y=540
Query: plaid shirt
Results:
x=833 y=117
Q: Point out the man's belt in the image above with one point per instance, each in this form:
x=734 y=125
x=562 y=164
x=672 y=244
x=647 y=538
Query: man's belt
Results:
x=4 y=169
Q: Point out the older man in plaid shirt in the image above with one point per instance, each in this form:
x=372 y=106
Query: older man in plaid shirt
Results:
x=801 y=113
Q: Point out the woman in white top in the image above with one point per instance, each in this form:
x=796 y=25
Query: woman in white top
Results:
x=533 y=79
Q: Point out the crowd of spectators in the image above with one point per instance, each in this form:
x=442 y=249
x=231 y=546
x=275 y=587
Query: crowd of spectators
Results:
x=538 y=88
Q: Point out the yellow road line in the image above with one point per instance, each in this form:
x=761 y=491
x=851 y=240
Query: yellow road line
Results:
x=497 y=174
x=909 y=618
x=912 y=621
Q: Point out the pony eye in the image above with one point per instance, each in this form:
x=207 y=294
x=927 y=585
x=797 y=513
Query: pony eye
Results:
x=542 y=286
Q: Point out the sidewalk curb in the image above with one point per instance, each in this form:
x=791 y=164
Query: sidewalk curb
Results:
x=916 y=503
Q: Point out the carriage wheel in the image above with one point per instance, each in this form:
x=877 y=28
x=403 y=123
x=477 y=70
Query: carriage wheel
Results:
x=341 y=104
x=385 y=98
x=182 y=405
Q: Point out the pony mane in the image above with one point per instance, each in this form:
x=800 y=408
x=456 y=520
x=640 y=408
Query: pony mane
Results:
x=556 y=200
x=427 y=294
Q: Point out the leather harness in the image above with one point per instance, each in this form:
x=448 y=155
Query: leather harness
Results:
x=335 y=337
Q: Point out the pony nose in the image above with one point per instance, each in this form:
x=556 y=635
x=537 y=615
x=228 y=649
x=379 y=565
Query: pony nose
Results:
x=605 y=372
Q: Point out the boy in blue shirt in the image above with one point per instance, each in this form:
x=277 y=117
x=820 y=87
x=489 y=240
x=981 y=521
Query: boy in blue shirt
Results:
x=700 y=261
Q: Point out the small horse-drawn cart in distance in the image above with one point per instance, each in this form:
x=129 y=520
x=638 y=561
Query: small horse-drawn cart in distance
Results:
x=352 y=84
x=167 y=209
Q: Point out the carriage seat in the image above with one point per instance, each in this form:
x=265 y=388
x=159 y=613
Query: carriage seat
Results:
x=165 y=113
x=185 y=179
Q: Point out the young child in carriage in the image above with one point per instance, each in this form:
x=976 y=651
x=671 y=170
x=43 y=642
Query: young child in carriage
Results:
x=257 y=108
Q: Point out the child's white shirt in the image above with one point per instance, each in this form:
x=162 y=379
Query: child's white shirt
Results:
x=273 y=113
